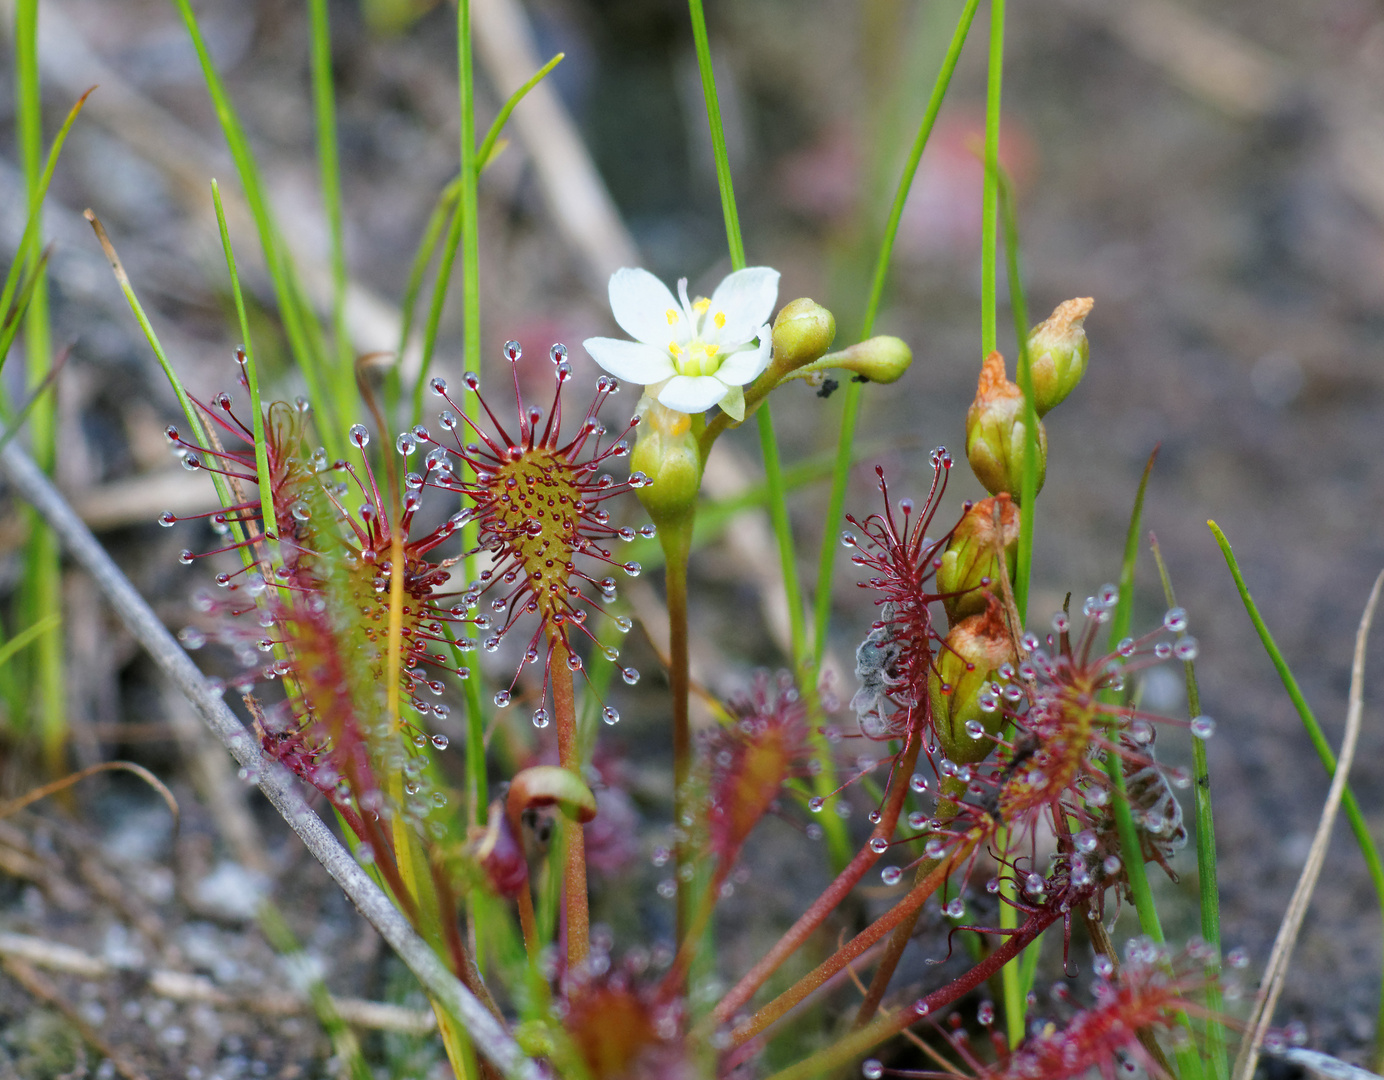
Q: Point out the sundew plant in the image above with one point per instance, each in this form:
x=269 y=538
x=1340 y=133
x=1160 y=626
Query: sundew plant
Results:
x=416 y=625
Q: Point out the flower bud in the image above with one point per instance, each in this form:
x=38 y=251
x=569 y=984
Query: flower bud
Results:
x=1058 y=351
x=995 y=432
x=667 y=453
x=803 y=331
x=880 y=359
x=966 y=664
x=969 y=565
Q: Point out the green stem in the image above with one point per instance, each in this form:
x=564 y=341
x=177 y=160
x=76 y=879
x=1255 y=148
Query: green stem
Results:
x=1368 y=849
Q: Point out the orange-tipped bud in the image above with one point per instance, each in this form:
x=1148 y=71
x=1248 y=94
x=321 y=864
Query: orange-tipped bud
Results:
x=969 y=565
x=1058 y=352
x=995 y=432
x=965 y=714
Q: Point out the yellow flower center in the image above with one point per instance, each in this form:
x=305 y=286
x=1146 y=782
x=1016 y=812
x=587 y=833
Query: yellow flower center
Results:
x=697 y=358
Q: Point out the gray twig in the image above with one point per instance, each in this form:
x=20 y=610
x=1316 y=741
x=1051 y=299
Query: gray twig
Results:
x=489 y=1036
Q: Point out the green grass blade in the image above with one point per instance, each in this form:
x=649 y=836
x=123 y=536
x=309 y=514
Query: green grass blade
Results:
x=734 y=240
x=1124 y=606
x=329 y=166
x=266 y=489
x=435 y=308
x=989 y=246
x=465 y=232
x=1368 y=850
x=9 y=328
x=1028 y=481
x=442 y=212
x=190 y=410
x=304 y=334
x=41 y=593
x=487 y=146
x=29 y=237
x=1207 y=890
x=16 y=425
x=850 y=411
x=27 y=636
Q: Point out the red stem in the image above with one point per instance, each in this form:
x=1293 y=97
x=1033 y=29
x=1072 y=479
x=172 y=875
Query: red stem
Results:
x=862 y=1040
x=569 y=757
x=830 y=900
x=856 y=947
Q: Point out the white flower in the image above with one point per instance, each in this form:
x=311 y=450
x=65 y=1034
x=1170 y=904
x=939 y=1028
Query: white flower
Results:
x=690 y=355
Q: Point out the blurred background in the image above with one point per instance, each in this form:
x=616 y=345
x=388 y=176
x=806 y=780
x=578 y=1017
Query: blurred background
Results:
x=1211 y=173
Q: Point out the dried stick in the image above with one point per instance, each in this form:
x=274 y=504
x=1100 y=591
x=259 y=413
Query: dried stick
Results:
x=489 y=1036
x=182 y=987
x=1277 y=969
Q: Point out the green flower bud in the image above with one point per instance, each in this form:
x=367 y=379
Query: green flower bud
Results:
x=995 y=432
x=667 y=453
x=880 y=359
x=803 y=331
x=1058 y=351
x=969 y=565
x=966 y=664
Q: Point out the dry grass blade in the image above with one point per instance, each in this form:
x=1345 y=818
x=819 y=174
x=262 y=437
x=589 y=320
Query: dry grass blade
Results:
x=64 y=782
x=1277 y=969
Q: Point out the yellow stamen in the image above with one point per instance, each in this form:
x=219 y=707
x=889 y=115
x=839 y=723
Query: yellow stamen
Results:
x=700 y=305
x=674 y=348
x=672 y=315
x=720 y=320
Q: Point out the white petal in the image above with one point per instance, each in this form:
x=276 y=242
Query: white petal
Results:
x=746 y=299
x=745 y=365
x=733 y=404
x=629 y=360
x=692 y=393
x=642 y=305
